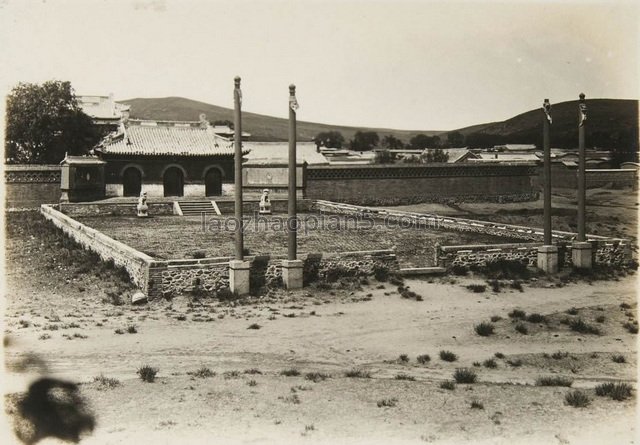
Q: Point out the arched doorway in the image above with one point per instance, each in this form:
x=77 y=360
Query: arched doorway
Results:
x=213 y=182
x=173 y=181
x=131 y=182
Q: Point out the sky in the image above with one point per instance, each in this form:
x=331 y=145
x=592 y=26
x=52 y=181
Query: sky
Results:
x=416 y=65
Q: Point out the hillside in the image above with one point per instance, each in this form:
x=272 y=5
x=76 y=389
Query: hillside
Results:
x=612 y=123
x=261 y=127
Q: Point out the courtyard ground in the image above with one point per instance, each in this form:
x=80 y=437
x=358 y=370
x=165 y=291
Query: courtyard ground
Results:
x=61 y=322
x=172 y=237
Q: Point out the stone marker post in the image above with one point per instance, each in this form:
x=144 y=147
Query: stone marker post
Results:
x=292 y=266
x=547 y=253
x=581 y=248
x=238 y=268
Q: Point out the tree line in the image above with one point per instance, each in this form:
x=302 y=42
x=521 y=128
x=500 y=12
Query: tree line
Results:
x=370 y=140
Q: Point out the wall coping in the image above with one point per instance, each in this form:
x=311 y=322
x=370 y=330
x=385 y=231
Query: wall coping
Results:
x=31 y=167
x=93 y=233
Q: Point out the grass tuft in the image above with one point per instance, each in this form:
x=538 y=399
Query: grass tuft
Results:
x=521 y=328
x=389 y=403
x=204 y=373
x=357 y=374
x=465 y=375
x=448 y=356
x=147 y=373
x=554 y=381
x=423 y=359
x=517 y=314
x=484 y=329
x=579 y=325
x=619 y=358
x=476 y=404
x=448 y=385
x=292 y=372
x=106 y=382
x=403 y=376
x=617 y=391
x=490 y=363
x=316 y=377
x=577 y=399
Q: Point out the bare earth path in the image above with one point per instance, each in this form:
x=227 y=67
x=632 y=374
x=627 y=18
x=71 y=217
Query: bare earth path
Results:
x=341 y=335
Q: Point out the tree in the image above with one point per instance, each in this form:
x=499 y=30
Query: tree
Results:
x=437 y=155
x=44 y=122
x=390 y=142
x=422 y=141
x=364 y=140
x=223 y=122
x=384 y=157
x=333 y=139
x=455 y=139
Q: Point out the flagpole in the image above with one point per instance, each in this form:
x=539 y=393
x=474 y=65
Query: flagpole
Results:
x=237 y=142
x=546 y=123
x=582 y=117
x=292 y=225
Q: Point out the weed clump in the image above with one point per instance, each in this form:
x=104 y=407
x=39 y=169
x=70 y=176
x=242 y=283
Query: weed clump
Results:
x=147 y=373
x=521 y=328
x=554 y=381
x=616 y=391
x=358 y=374
x=448 y=356
x=465 y=375
x=484 y=329
x=517 y=314
x=292 y=372
x=577 y=399
x=387 y=403
x=423 y=359
x=477 y=288
x=579 y=325
x=448 y=385
x=619 y=358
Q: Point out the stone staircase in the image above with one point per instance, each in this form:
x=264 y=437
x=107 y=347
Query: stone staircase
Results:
x=195 y=208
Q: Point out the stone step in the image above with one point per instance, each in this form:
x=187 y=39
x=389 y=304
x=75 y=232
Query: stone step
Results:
x=196 y=208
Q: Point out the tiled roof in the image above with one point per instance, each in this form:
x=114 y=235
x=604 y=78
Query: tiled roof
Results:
x=150 y=138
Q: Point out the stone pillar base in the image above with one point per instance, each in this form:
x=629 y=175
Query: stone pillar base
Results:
x=548 y=259
x=292 y=274
x=239 y=277
x=581 y=254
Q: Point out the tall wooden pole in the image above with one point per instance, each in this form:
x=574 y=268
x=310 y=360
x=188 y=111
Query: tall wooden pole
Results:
x=582 y=117
x=292 y=222
x=237 y=142
x=546 y=123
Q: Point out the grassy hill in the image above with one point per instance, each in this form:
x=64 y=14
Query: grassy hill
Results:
x=611 y=123
x=261 y=127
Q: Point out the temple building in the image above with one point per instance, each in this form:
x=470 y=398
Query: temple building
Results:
x=167 y=158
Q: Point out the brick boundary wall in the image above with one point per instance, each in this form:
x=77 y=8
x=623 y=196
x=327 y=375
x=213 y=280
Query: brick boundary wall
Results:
x=29 y=186
x=395 y=184
x=158 y=277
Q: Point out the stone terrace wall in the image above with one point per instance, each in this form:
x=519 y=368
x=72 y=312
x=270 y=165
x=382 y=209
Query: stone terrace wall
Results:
x=114 y=208
x=136 y=263
x=30 y=186
x=212 y=274
x=402 y=184
x=609 y=252
x=438 y=222
x=480 y=255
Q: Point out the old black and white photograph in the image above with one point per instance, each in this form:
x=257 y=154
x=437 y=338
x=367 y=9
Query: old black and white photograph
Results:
x=319 y=222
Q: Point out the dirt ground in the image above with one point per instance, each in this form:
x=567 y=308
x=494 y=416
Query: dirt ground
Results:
x=59 y=322
x=170 y=237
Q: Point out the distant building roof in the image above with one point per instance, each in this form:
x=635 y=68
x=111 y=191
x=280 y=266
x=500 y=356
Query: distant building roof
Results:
x=516 y=147
x=506 y=157
x=278 y=152
x=226 y=131
x=92 y=160
x=102 y=108
x=166 y=138
x=456 y=154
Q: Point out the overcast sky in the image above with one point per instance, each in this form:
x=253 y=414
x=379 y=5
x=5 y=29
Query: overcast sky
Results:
x=402 y=64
